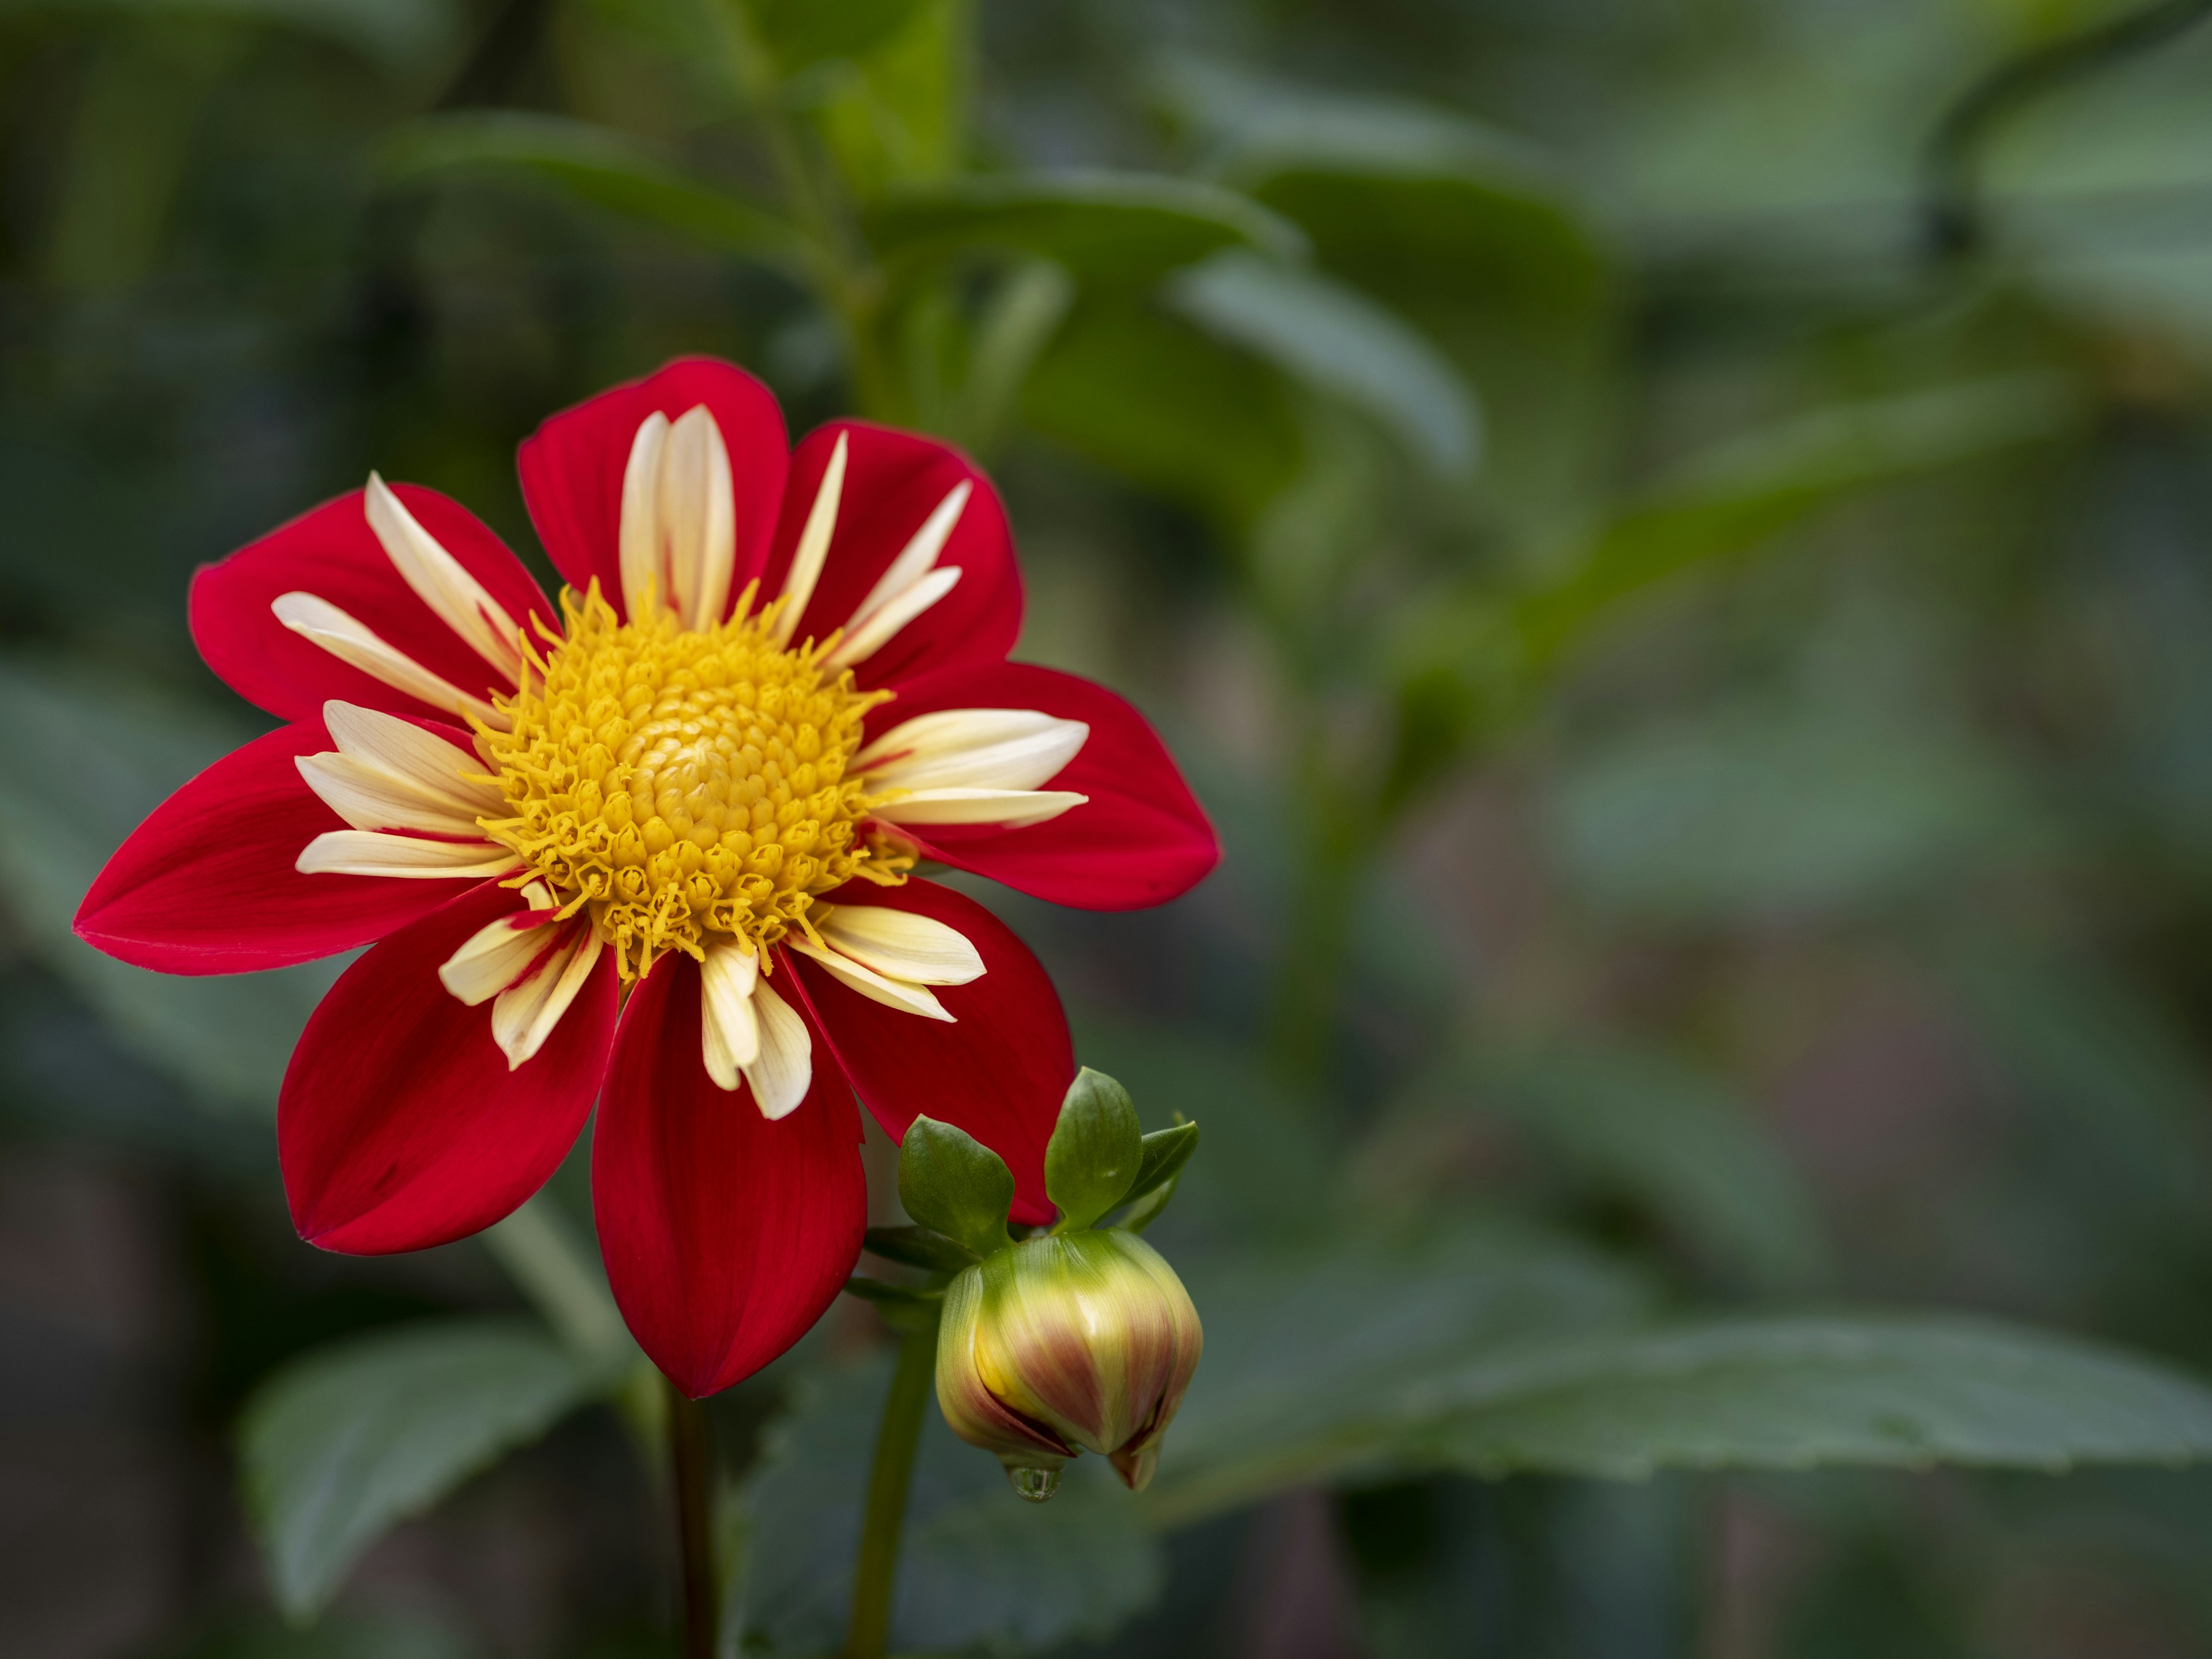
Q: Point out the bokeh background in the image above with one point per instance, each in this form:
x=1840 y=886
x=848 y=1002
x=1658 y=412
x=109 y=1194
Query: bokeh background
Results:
x=1684 y=579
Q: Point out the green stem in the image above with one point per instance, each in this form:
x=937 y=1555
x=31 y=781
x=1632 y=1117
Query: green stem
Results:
x=691 y=1463
x=875 y=1572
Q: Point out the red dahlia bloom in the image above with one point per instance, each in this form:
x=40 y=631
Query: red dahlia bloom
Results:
x=657 y=839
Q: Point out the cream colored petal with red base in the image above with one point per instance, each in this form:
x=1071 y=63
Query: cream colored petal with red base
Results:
x=440 y=583
x=314 y=617
x=390 y=774
x=524 y=1014
x=972 y=749
x=679 y=527
x=729 y=1026
x=900 y=945
x=813 y=549
x=1011 y=807
x=872 y=635
x=905 y=995
x=783 y=1071
x=371 y=852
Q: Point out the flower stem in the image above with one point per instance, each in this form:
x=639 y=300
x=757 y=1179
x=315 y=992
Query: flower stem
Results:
x=875 y=1572
x=691 y=1464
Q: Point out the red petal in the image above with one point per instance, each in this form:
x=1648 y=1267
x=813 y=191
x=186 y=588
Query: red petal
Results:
x=572 y=466
x=893 y=482
x=206 y=885
x=999 y=1072
x=400 y=1126
x=332 y=552
x=1140 y=840
x=725 y=1235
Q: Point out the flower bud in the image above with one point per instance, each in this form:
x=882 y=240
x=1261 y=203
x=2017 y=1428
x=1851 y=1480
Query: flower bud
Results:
x=1065 y=1343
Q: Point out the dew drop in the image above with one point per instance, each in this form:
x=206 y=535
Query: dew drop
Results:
x=1034 y=1485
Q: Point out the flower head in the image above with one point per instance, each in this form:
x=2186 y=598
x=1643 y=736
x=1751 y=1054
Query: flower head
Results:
x=1083 y=1340
x=659 y=834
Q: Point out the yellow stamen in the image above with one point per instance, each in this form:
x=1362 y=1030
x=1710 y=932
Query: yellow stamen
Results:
x=683 y=787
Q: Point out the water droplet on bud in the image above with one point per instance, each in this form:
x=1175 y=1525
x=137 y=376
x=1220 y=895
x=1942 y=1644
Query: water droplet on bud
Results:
x=1034 y=1485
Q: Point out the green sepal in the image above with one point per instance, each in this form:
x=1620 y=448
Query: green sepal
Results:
x=1166 y=1153
x=902 y=1307
x=1095 y=1150
x=1147 y=1210
x=919 y=1246
x=953 y=1184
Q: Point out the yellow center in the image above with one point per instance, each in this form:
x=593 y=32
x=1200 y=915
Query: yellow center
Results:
x=684 y=787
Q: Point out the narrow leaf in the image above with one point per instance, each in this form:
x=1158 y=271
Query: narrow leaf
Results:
x=597 y=165
x=339 y=1445
x=952 y=1183
x=1094 y=1150
x=1125 y=225
x=1164 y=1153
x=1336 y=340
x=918 y=1247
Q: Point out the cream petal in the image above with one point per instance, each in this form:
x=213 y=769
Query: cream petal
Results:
x=314 y=617
x=729 y=1029
x=972 y=748
x=876 y=988
x=900 y=945
x=442 y=583
x=496 y=955
x=698 y=517
x=439 y=770
x=523 y=1015
x=1012 y=807
x=641 y=562
x=785 y=1071
x=916 y=559
x=872 y=635
x=814 y=545
x=367 y=853
x=369 y=798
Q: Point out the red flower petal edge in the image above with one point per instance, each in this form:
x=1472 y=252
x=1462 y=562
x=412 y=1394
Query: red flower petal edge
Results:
x=725 y=1235
x=399 y=1125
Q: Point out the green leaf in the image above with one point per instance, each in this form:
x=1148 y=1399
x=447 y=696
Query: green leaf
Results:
x=952 y=1183
x=979 y=1569
x=1336 y=340
x=1095 y=1151
x=1755 y=810
x=1164 y=1152
x=597 y=165
x=798 y=33
x=918 y=1247
x=1125 y=226
x=1639 y=1124
x=1307 y=1351
x=339 y=1445
x=1743 y=492
x=1146 y=395
x=1896 y=1390
x=83 y=762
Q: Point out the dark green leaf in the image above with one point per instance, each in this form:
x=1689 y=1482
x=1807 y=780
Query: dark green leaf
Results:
x=1146 y=395
x=1095 y=1149
x=1164 y=1152
x=1744 y=493
x=979 y=1569
x=798 y=33
x=1126 y=226
x=1642 y=1125
x=597 y=165
x=953 y=1184
x=1895 y=1389
x=1334 y=338
x=342 y=1443
x=918 y=1247
x=1306 y=1350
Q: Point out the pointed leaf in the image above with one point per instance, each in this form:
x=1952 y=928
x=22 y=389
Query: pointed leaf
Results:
x=1095 y=1151
x=342 y=1443
x=953 y=1183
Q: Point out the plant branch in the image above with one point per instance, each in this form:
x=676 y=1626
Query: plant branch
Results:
x=875 y=1570
x=691 y=1462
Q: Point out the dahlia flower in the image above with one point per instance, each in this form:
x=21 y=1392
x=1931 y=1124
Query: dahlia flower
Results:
x=651 y=846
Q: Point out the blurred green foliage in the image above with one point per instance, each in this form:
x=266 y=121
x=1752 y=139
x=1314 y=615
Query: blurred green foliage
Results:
x=1702 y=687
